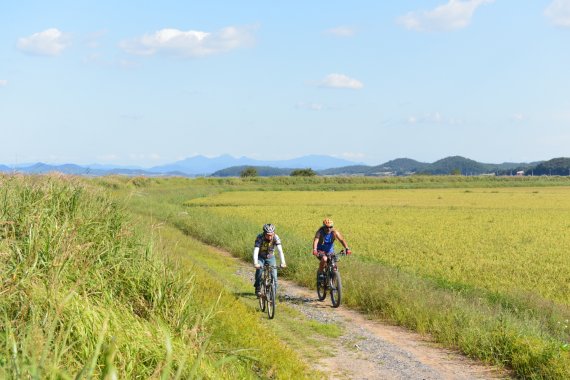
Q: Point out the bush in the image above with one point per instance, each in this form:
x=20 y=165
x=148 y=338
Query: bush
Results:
x=248 y=172
x=303 y=173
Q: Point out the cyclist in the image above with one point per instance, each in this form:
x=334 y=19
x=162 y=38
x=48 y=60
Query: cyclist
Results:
x=324 y=244
x=265 y=244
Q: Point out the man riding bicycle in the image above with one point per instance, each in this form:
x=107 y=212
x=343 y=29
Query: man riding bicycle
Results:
x=323 y=245
x=265 y=244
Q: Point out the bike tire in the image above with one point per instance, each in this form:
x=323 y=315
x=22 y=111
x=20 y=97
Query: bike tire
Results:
x=262 y=299
x=335 y=289
x=271 y=301
x=321 y=289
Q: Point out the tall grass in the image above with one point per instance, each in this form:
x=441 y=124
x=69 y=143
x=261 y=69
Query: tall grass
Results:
x=84 y=295
x=80 y=288
x=88 y=291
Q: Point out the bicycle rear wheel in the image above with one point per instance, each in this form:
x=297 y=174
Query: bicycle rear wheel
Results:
x=321 y=288
x=336 y=289
x=271 y=300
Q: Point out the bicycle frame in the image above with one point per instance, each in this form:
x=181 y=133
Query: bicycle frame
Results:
x=332 y=280
x=268 y=290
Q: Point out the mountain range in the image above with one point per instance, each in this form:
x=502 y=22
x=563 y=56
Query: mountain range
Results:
x=189 y=167
x=200 y=165
x=226 y=165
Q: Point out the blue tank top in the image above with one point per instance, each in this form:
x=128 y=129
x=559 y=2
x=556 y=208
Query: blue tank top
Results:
x=326 y=242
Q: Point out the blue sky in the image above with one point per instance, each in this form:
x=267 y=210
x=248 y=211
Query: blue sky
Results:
x=147 y=82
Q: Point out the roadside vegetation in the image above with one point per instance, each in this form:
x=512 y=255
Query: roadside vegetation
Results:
x=88 y=290
x=443 y=263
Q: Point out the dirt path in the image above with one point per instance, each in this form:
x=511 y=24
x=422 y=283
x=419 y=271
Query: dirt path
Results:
x=369 y=349
x=372 y=350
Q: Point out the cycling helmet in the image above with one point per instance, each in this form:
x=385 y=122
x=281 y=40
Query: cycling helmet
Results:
x=327 y=222
x=268 y=228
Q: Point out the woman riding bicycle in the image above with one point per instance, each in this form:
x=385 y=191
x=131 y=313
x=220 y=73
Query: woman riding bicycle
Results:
x=323 y=244
x=265 y=244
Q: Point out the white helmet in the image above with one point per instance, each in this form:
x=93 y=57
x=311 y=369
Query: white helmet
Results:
x=268 y=228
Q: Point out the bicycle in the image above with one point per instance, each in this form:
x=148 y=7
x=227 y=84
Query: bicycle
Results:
x=268 y=290
x=331 y=280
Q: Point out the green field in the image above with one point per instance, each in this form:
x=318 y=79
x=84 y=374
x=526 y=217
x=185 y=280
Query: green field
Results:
x=479 y=264
x=102 y=276
x=499 y=240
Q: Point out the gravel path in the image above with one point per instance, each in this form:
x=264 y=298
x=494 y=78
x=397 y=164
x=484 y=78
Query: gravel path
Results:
x=370 y=349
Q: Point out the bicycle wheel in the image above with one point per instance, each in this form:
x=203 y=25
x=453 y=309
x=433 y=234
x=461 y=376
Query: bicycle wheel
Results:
x=271 y=300
x=261 y=299
x=336 y=289
x=321 y=289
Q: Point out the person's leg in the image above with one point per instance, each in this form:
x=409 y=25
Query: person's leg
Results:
x=257 y=284
x=323 y=263
x=273 y=262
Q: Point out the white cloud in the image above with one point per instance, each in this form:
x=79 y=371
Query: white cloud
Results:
x=190 y=43
x=432 y=118
x=310 y=106
x=341 y=31
x=558 y=12
x=517 y=117
x=50 y=42
x=350 y=155
x=456 y=14
x=341 y=81
x=3 y=82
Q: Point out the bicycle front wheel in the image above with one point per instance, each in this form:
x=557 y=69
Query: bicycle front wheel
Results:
x=271 y=301
x=321 y=288
x=262 y=299
x=336 y=289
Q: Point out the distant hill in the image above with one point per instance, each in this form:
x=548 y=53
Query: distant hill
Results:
x=347 y=170
x=406 y=166
x=399 y=166
x=464 y=165
x=262 y=171
x=556 y=166
x=42 y=168
x=200 y=165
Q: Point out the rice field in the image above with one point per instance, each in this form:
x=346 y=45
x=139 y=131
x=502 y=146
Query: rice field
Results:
x=504 y=239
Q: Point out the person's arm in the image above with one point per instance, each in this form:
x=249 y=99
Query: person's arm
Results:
x=316 y=242
x=255 y=255
x=340 y=238
x=281 y=256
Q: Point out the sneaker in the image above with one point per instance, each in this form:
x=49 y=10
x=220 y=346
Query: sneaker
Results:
x=258 y=291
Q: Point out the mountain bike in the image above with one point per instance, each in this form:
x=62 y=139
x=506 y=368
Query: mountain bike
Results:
x=268 y=290
x=331 y=281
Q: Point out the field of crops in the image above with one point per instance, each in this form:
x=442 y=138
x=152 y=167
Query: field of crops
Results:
x=481 y=267
x=502 y=240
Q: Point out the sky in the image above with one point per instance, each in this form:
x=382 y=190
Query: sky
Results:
x=153 y=82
